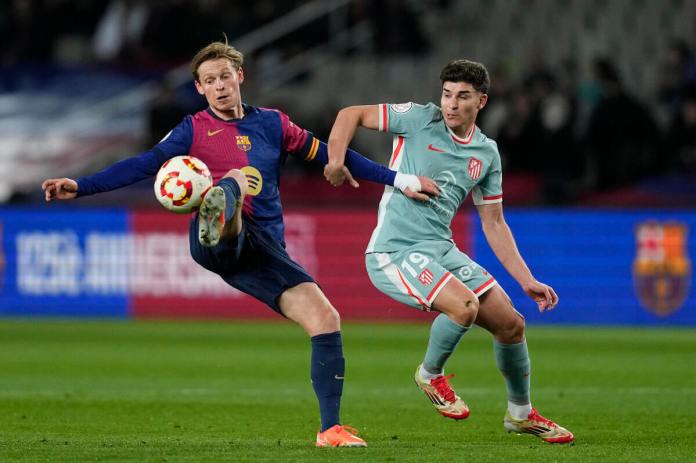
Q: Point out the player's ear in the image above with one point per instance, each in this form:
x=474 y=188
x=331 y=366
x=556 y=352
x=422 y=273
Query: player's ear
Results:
x=240 y=75
x=483 y=101
x=199 y=87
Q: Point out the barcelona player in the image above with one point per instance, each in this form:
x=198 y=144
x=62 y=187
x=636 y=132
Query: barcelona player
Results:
x=238 y=231
x=412 y=258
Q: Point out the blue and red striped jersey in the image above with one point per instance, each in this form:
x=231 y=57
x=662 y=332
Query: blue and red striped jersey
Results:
x=258 y=144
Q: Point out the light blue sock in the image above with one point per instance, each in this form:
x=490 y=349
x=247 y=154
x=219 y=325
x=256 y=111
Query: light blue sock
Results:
x=513 y=362
x=444 y=337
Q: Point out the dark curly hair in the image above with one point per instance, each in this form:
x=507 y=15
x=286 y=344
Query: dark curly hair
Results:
x=463 y=70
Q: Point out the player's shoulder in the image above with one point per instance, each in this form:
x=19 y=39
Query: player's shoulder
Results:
x=201 y=116
x=485 y=142
x=416 y=109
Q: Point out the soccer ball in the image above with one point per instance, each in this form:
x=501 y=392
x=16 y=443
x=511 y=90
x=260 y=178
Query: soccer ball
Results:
x=181 y=183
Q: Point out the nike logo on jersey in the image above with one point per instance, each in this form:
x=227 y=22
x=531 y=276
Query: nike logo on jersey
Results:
x=432 y=148
x=338 y=377
x=212 y=133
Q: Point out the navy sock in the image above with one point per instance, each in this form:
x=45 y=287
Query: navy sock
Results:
x=328 y=368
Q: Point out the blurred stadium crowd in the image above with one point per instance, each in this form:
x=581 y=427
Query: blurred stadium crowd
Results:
x=575 y=133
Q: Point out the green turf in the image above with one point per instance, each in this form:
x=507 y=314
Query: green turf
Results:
x=182 y=392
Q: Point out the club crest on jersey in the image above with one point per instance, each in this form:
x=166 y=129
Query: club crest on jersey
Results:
x=254 y=180
x=243 y=142
x=474 y=169
x=661 y=269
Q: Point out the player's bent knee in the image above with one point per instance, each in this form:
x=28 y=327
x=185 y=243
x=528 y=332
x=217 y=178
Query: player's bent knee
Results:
x=323 y=319
x=467 y=311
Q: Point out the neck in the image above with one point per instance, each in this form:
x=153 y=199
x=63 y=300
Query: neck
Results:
x=463 y=131
x=234 y=113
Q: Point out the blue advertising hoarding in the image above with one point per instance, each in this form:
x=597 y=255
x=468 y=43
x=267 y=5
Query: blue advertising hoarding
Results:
x=608 y=266
x=52 y=265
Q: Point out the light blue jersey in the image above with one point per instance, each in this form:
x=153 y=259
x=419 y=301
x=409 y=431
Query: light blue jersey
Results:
x=424 y=145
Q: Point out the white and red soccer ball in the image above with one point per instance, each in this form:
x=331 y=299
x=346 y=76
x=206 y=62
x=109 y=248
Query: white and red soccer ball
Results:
x=181 y=183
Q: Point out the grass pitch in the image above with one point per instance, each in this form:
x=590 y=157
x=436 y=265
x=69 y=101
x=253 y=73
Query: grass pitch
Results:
x=229 y=391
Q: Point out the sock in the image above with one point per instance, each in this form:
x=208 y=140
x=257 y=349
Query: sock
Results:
x=426 y=375
x=444 y=337
x=519 y=412
x=513 y=362
x=327 y=371
x=232 y=194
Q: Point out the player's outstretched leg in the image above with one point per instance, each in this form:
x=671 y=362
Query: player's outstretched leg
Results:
x=307 y=305
x=220 y=211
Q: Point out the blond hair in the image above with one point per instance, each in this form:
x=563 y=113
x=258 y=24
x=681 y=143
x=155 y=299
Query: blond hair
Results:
x=216 y=50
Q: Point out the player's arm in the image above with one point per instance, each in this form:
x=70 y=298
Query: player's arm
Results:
x=124 y=172
x=304 y=145
x=344 y=163
x=499 y=237
x=342 y=132
x=120 y=174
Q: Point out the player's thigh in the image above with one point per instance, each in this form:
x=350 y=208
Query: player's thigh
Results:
x=498 y=316
x=412 y=276
x=307 y=305
x=474 y=276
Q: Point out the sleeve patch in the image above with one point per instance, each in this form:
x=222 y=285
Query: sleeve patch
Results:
x=401 y=107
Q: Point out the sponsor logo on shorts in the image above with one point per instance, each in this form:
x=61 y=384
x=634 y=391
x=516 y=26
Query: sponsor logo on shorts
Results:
x=661 y=269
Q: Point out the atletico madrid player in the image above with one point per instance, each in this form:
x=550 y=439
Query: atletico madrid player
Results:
x=412 y=258
x=238 y=231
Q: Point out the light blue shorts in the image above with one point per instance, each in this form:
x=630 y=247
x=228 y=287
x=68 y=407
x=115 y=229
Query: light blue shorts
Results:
x=416 y=275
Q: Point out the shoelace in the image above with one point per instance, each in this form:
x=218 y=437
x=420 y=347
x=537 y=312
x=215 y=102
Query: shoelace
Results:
x=535 y=416
x=443 y=388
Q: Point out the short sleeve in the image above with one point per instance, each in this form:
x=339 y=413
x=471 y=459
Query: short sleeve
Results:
x=405 y=118
x=294 y=137
x=489 y=189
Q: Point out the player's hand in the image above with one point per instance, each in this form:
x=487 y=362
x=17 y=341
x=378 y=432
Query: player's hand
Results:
x=428 y=189
x=59 y=188
x=336 y=174
x=428 y=186
x=543 y=295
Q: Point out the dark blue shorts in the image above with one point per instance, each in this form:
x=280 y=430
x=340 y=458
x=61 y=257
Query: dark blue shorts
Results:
x=254 y=263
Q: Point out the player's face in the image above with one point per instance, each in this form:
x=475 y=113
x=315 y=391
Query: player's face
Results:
x=219 y=81
x=460 y=104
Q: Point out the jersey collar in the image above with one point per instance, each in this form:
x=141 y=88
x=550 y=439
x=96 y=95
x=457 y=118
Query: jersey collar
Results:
x=248 y=110
x=462 y=141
